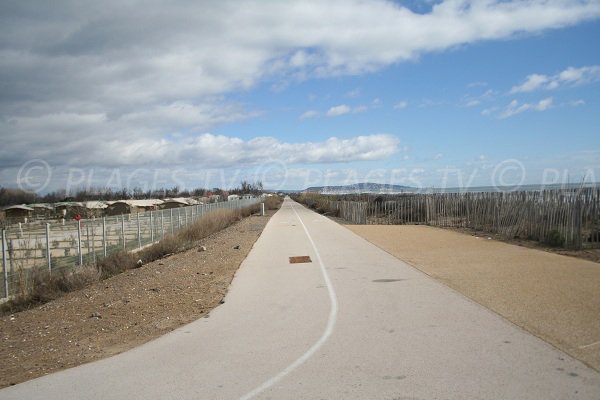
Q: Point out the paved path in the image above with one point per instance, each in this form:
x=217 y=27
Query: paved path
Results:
x=356 y=323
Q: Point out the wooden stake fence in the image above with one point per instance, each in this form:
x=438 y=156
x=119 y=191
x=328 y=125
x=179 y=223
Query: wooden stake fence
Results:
x=569 y=216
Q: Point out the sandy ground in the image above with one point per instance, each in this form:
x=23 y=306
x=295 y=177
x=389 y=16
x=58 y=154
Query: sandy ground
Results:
x=555 y=297
x=126 y=310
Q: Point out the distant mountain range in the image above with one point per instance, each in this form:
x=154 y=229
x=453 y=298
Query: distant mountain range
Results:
x=381 y=188
x=360 y=188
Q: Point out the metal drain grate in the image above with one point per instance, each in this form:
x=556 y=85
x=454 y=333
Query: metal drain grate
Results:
x=300 y=259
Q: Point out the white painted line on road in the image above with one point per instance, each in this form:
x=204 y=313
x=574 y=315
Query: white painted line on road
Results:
x=328 y=329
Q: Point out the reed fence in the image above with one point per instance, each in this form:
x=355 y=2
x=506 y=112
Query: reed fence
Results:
x=568 y=218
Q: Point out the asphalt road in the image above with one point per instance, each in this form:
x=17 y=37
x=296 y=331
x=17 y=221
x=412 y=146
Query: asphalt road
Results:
x=355 y=323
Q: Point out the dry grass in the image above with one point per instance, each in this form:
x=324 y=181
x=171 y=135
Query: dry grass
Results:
x=273 y=203
x=40 y=286
x=184 y=239
x=116 y=263
x=43 y=287
x=317 y=202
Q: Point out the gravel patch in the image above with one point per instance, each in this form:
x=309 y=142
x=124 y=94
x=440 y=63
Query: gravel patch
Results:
x=554 y=297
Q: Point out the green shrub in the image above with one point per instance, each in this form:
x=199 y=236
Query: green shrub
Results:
x=555 y=239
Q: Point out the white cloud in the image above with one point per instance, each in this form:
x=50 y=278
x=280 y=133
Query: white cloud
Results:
x=514 y=108
x=401 y=105
x=569 y=77
x=473 y=101
x=338 y=110
x=543 y=105
x=580 y=75
x=310 y=114
x=218 y=150
x=489 y=111
x=202 y=151
x=533 y=82
x=116 y=74
x=577 y=103
x=353 y=93
x=183 y=114
x=335 y=111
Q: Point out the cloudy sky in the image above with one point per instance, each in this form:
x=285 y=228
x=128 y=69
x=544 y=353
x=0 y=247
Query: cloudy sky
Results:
x=298 y=93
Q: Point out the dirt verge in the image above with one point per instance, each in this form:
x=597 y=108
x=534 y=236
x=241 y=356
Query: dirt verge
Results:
x=552 y=296
x=126 y=310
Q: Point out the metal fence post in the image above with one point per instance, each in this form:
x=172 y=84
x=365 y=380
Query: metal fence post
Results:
x=151 y=228
x=94 y=243
x=104 y=246
x=123 y=231
x=162 y=223
x=79 y=253
x=48 y=248
x=11 y=256
x=139 y=231
x=171 y=221
x=4 y=263
x=87 y=235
